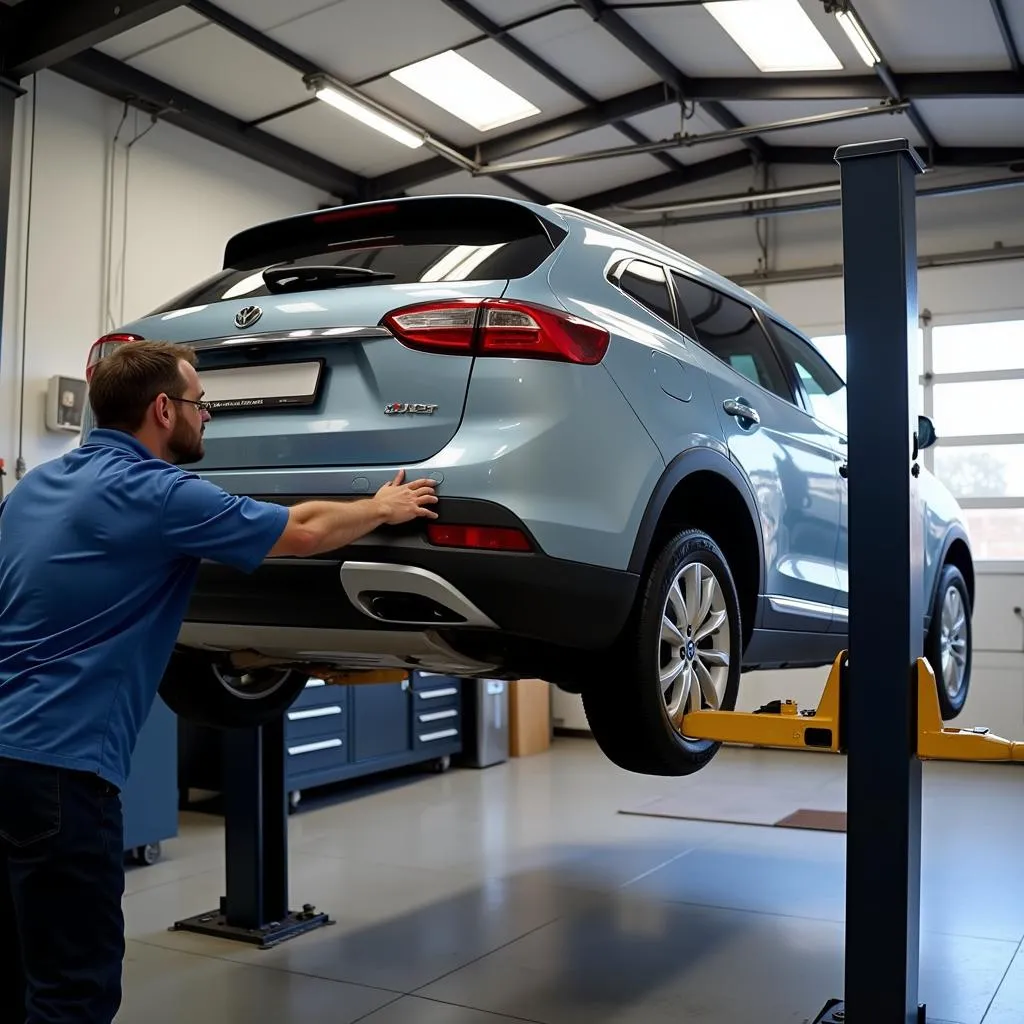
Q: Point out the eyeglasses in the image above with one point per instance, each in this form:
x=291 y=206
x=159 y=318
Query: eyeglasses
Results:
x=201 y=406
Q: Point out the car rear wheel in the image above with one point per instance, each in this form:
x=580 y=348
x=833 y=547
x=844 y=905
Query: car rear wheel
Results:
x=949 y=640
x=210 y=692
x=680 y=653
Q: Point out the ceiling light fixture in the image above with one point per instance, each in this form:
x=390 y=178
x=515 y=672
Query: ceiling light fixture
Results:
x=466 y=91
x=777 y=35
x=361 y=111
x=855 y=31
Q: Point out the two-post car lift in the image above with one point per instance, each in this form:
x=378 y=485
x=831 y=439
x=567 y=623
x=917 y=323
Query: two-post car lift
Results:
x=880 y=705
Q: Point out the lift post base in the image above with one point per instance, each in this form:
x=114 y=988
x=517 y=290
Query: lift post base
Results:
x=255 y=909
x=787 y=728
x=835 y=1013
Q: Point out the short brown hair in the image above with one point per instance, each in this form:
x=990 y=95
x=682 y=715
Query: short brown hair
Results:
x=124 y=383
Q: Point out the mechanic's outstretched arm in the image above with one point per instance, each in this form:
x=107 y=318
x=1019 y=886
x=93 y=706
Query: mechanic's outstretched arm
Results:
x=317 y=526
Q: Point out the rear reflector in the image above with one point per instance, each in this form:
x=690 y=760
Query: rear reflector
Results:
x=490 y=538
x=498 y=327
x=104 y=346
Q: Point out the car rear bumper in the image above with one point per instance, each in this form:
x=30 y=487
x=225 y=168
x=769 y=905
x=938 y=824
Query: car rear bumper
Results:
x=394 y=580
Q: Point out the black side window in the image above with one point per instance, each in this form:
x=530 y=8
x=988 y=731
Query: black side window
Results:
x=826 y=392
x=730 y=330
x=646 y=282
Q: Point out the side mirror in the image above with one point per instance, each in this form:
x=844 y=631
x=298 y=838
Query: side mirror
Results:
x=926 y=435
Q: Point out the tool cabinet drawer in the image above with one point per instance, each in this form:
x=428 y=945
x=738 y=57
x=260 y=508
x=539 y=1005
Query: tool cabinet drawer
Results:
x=311 y=755
x=316 y=693
x=443 y=733
x=304 y=723
x=444 y=693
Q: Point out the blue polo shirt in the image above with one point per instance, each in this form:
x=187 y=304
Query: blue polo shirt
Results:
x=99 y=551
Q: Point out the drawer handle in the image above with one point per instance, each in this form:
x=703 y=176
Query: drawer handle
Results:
x=435 y=716
x=312 y=682
x=430 y=737
x=448 y=691
x=309 y=748
x=296 y=716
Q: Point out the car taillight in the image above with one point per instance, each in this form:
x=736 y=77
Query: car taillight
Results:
x=490 y=538
x=104 y=346
x=498 y=327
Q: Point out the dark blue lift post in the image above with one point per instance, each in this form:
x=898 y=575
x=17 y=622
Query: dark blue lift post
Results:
x=883 y=860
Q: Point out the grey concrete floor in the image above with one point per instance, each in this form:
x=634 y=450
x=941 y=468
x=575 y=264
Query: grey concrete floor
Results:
x=521 y=893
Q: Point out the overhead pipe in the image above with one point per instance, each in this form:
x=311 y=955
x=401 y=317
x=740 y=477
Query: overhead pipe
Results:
x=681 y=141
x=826 y=204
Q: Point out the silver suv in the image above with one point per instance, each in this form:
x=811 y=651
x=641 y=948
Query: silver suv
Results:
x=641 y=469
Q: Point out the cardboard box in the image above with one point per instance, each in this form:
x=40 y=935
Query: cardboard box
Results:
x=529 y=702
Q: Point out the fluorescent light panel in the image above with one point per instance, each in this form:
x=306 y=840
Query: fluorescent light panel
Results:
x=460 y=87
x=852 y=27
x=777 y=35
x=347 y=105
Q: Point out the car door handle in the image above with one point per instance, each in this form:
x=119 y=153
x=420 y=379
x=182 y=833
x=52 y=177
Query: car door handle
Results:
x=742 y=411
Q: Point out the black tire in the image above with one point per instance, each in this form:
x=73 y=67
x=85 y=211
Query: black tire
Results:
x=204 y=690
x=952 y=693
x=625 y=706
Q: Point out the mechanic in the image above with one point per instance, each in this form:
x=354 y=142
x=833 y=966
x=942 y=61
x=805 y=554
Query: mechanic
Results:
x=99 y=551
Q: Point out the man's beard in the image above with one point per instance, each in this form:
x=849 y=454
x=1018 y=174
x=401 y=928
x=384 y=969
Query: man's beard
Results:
x=185 y=445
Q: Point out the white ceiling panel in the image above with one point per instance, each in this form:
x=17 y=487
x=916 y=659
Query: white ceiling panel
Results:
x=667 y=121
x=975 y=122
x=178 y=22
x=496 y=61
x=573 y=180
x=936 y=35
x=700 y=47
x=360 y=38
x=505 y=11
x=586 y=54
x=349 y=143
x=268 y=14
x=835 y=133
x=463 y=183
x=219 y=68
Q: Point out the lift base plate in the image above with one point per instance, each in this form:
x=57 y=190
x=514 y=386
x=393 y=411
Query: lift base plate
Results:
x=215 y=923
x=835 y=1013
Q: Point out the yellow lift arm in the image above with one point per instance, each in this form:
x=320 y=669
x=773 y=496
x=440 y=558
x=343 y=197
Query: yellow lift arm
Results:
x=783 y=725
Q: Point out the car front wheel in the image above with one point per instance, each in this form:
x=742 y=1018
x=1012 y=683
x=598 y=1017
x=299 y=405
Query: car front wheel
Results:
x=209 y=692
x=948 y=644
x=680 y=653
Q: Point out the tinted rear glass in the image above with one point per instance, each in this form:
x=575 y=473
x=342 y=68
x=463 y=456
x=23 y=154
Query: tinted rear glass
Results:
x=443 y=240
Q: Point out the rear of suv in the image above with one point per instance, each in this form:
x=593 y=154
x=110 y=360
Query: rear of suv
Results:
x=641 y=469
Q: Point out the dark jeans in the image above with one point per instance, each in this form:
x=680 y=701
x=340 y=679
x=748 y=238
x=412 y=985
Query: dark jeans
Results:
x=61 y=883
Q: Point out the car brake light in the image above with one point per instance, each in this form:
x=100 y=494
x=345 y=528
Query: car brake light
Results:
x=490 y=538
x=104 y=346
x=498 y=327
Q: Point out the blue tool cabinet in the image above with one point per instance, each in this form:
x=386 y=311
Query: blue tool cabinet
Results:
x=150 y=797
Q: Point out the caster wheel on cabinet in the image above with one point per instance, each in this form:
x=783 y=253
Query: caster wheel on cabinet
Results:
x=147 y=855
x=442 y=764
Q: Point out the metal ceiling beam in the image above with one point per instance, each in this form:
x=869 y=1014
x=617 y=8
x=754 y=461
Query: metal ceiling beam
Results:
x=670 y=220
x=614 y=23
x=916 y=86
x=546 y=70
x=1007 y=33
x=682 y=141
x=39 y=34
x=947 y=156
x=601 y=113
x=243 y=30
x=738 y=161
x=124 y=83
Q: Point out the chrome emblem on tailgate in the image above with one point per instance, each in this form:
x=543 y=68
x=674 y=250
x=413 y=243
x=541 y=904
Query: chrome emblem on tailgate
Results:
x=401 y=408
x=248 y=316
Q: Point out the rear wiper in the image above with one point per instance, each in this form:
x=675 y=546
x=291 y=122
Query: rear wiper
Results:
x=286 y=279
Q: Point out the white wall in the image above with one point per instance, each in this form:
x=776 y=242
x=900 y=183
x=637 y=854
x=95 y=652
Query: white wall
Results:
x=184 y=198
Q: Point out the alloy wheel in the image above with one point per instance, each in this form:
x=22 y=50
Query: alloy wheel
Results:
x=953 y=642
x=695 y=643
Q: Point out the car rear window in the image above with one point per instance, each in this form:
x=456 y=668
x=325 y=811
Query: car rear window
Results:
x=405 y=242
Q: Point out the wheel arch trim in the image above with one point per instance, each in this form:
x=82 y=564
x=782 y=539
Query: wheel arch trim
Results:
x=684 y=465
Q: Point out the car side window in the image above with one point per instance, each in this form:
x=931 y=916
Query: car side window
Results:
x=646 y=282
x=825 y=389
x=730 y=330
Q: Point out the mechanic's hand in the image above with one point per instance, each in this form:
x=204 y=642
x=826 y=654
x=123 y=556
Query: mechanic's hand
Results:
x=400 y=502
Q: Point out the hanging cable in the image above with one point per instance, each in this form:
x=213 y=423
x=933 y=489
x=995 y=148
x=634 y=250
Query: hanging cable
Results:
x=19 y=465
